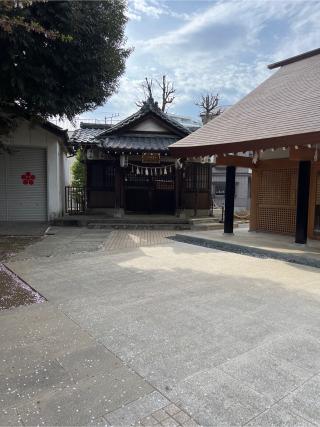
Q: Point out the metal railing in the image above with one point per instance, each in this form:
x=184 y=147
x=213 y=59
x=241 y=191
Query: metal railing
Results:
x=75 y=200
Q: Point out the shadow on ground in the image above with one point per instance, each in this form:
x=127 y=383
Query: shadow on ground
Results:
x=232 y=340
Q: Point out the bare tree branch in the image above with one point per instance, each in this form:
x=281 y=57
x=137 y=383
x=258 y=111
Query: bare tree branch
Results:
x=147 y=87
x=209 y=107
x=167 y=92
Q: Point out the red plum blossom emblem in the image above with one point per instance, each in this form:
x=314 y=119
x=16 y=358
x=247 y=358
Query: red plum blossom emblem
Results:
x=28 y=178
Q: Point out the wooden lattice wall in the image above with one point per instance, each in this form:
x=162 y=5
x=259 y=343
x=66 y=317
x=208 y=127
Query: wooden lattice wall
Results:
x=275 y=199
x=318 y=190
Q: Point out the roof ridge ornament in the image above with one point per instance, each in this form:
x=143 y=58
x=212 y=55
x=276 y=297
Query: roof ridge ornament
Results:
x=150 y=104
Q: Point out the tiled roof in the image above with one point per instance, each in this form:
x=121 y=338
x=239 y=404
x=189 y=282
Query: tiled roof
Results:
x=283 y=107
x=157 y=143
x=85 y=136
x=111 y=138
x=149 y=107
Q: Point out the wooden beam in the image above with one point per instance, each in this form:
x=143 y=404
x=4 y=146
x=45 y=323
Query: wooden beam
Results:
x=198 y=149
x=276 y=164
x=301 y=153
x=240 y=161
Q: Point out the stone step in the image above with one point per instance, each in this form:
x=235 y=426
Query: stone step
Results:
x=138 y=226
x=203 y=220
x=207 y=226
x=148 y=222
x=133 y=221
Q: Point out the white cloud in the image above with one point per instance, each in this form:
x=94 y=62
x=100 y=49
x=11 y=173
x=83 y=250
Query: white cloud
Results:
x=151 y=8
x=247 y=13
x=220 y=48
x=224 y=48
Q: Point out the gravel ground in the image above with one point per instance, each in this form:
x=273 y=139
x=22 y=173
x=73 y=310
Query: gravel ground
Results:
x=14 y=292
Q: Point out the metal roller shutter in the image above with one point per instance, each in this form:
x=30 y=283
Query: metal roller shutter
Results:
x=23 y=185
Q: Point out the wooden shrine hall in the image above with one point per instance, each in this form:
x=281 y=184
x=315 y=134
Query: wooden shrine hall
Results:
x=275 y=131
x=129 y=168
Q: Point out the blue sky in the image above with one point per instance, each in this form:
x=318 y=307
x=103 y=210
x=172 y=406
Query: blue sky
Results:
x=210 y=46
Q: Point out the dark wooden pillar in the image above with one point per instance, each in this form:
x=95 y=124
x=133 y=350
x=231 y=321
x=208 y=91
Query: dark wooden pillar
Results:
x=117 y=187
x=177 y=191
x=229 y=199
x=302 y=201
x=210 y=195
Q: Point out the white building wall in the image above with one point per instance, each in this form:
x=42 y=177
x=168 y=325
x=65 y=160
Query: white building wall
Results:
x=149 y=125
x=27 y=135
x=242 y=197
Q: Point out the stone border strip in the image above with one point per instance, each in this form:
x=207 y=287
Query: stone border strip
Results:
x=246 y=250
x=151 y=410
x=169 y=416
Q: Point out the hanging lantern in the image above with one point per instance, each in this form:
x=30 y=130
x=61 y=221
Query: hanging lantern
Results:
x=160 y=171
x=316 y=154
x=147 y=172
x=123 y=161
x=138 y=171
x=165 y=171
x=155 y=172
x=255 y=158
x=151 y=173
x=132 y=170
x=90 y=154
x=101 y=155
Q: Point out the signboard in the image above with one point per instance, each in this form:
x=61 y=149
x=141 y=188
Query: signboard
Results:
x=151 y=158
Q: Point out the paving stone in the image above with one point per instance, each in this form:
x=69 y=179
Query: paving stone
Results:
x=181 y=417
x=304 y=401
x=169 y=422
x=172 y=409
x=268 y=375
x=89 y=361
x=213 y=396
x=32 y=383
x=137 y=410
x=300 y=350
x=85 y=402
x=160 y=415
x=9 y=417
x=278 y=417
x=172 y=312
x=190 y=423
x=148 y=421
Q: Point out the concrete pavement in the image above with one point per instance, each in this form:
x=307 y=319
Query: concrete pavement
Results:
x=224 y=338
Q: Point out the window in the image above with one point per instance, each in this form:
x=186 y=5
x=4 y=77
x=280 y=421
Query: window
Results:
x=197 y=177
x=219 y=188
x=101 y=175
x=109 y=172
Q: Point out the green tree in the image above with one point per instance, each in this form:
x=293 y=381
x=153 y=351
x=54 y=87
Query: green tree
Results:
x=78 y=170
x=60 y=58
